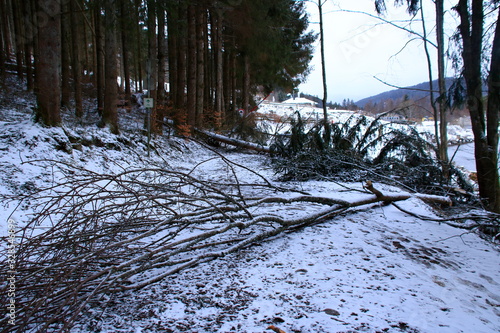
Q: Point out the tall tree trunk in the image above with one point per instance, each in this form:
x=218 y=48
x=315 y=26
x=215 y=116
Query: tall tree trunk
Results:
x=233 y=86
x=200 y=65
x=227 y=81
x=485 y=142
x=18 y=37
x=48 y=64
x=443 y=121
x=191 y=67
x=493 y=110
x=110 y=113
x=124 y=19
x=76 y=59
x=172 y=46
x=182 y=61
x=431 y=82
x=219 y=86
x=99 y=66
x=65 y=56
x=28 y=43
x=5 y=28
x=162 y=69
x=152 y=66
x=245 y=99
x=139 y=46
x=323 y=73
x=172 y=55
x=2 y=50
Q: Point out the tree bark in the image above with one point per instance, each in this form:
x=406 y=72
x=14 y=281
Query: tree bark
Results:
x=245 y=99
x=139 y=46
x=110 y=112
x=161 y=94
x=28 y=43
x=5 y=29
x=443 y=121
x=219 y=86
x=99 y=60
x=323 y=71
x=65 y=56
x=200 y=65
x=162 y=58
x=493 y=110
x=18 y=37
x=76 y=59
x=124 y=20
x=48 y=64
x=182 y=60
x=191 y=67
x=172 y=55
x=485 y=140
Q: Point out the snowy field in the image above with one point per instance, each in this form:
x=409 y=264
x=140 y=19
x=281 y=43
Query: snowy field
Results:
x=370 y=269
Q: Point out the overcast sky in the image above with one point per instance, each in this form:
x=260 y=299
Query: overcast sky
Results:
x=359 y=47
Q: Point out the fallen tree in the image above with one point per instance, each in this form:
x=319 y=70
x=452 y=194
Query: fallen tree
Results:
x=234 y=142
x=96 y=234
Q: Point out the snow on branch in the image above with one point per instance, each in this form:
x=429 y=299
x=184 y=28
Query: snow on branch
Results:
x=103 y=233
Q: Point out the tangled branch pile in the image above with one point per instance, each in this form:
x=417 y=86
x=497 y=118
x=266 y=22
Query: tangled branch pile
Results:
x=363 y=148
x=97 y=234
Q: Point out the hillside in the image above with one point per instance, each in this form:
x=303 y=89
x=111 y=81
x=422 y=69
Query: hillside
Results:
x=371 y=268
x=415 y=92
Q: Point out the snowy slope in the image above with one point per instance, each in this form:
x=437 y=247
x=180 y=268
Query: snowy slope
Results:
x=372 y=269
x=376 y=270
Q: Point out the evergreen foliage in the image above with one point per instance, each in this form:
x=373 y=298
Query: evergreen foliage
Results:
x=402 y=158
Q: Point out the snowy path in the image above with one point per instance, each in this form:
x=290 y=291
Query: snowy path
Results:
x=377 y=270
x=373 y=270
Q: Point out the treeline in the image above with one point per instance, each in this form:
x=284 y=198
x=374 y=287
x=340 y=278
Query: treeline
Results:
x=200 y=60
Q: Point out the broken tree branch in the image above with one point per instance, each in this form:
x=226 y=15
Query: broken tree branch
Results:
x=105 y=233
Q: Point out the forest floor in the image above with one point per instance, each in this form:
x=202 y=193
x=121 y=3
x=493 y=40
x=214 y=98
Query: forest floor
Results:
x=370 y=269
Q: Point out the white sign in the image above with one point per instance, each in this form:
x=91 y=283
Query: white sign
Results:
x=148 y=102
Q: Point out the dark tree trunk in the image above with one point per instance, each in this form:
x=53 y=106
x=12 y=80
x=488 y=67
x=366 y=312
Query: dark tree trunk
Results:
x=219 y=86
x=110 y=113
x=485 y=139
x=493 y=110
x=162 y=69
x=246 y=84
x=48 y=64
x=2 y=50
x=172 y=55
x=28 y=43
x=200 y=64
x=139 y=46
x=152 y=66
x=99 y=66
x=65 y=56
x=182 y=62
x=323 y=72
x=18 y=37
x=5 y=29
x=191 y=67
x=443 y=121
x=76 y=59
x=124 y=19
x=233 y=79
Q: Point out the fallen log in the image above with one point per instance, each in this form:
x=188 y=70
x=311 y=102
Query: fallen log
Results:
x=235 y=142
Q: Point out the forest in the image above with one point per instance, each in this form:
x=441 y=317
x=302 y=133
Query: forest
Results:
x=118 y=216
x=209 y=55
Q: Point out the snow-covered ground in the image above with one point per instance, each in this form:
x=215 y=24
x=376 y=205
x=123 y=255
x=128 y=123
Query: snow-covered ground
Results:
x=371 y=269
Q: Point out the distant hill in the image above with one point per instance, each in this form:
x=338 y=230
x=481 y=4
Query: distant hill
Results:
x=415 y=92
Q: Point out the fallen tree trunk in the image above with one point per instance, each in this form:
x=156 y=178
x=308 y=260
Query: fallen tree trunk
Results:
x=115 y=232
x=235 y=142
